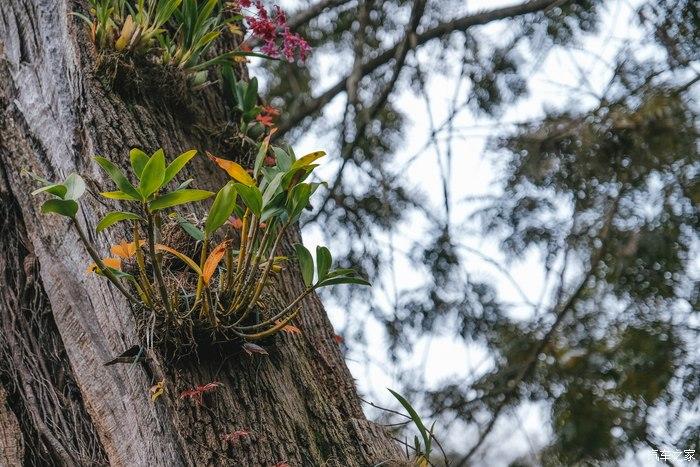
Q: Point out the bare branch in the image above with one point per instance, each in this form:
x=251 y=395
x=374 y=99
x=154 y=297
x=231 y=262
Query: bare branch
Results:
x=308 y=13
x=441 y=30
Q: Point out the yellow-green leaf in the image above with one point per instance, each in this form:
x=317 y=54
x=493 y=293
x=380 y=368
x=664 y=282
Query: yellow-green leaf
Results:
x=234 y=170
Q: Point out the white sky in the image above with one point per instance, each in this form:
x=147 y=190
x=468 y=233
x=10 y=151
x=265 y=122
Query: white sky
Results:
x=473 y=173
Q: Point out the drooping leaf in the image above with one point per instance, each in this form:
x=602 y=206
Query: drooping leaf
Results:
x=114 y=217
x=64 y=207
x=190 y=228
x=251 y=348
x=234 y=170
x=342 y=280
x=139 y=159
x=213 y=261
x=153 y=174
x=415 y=417
x=177 y=165
x=323 y=262
x=185 y=259
x=306 y=263
x=251 y=196
x=222 y=208
x=177 y=197
x=118 y=177
x=75 y=186
x=56 y=189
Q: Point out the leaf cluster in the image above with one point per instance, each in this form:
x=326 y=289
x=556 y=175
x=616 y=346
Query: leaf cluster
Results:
x=227 y=291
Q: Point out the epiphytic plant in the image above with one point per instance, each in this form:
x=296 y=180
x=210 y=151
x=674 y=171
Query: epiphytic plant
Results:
x=181 y=33
x=227 y=293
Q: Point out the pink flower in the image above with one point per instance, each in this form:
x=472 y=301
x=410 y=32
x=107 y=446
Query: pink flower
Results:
x=271 y=29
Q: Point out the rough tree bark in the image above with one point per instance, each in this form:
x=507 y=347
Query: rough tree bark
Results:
x=58 y=403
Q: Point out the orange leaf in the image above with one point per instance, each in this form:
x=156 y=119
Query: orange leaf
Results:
x=124 y=249
x=114 y=263
x=291 y=329
x=213 y=261
x=234 y=170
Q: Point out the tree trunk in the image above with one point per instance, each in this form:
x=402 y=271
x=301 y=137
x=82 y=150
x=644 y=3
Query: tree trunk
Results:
x=58 y=403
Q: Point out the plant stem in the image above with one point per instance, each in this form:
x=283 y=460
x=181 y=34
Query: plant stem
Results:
x=156 y=263
x=278 y=315
x=202 y=260
x=100 y=264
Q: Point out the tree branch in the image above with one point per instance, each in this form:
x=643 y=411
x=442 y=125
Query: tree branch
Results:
x=441 y=30
x=308 y=13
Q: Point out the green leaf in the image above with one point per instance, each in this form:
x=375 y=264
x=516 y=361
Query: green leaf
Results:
x=414 y=416
x=120 y=195
x=272 y=189
x=307 y=160
x=284 y=160
x=139 y=159
x=306 y=264
x=176 y=166
x=114 y=217
x=64 y=207
x=342 y=280
x=190 y=228
x=153 y=174
x=185 y=184
x=56 y=189
x=323 y=262
x=260 y=157
x=222 y=207
x=177 y=197
x=298 y=199
x=118 y=177
x=75 y=186
x=251 y=95
x=251 y=196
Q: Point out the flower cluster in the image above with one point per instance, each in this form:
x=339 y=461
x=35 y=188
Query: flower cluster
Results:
x=272 y=29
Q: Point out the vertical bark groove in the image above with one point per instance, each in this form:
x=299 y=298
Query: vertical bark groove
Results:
x=299 y=404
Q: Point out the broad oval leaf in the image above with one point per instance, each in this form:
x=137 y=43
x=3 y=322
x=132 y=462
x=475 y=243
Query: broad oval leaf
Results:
x=153 y=174
x=306 y=264
x=272 y=189
x=118 y=177
x=251 y=196
x=323 y=262
x=64 y=207
x=113 y=217
x=139 y=159
x=234 y=170
x=177 y=197
x=75 y=186
x=186 y=259
x=176 y=166
x=222 y=208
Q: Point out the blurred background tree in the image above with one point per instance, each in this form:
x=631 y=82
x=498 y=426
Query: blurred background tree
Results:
x=599 y=191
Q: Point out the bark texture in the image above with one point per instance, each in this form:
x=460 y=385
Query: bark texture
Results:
x=58 y=403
